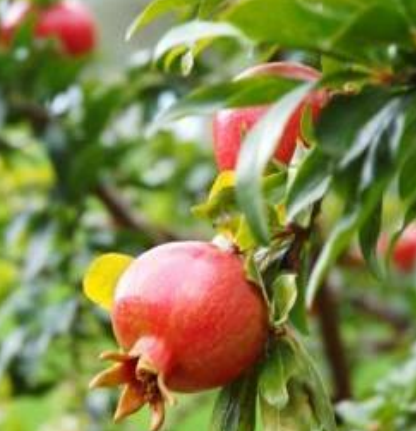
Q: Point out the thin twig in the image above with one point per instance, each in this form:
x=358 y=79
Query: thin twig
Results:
x=110 y=197
x=39 y=116
x=373 y=307
x=122 y=214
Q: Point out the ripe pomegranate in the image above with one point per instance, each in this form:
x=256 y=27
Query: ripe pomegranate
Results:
x=187 y=320
x=231 y=125
x=404 y=252
x=69 y=21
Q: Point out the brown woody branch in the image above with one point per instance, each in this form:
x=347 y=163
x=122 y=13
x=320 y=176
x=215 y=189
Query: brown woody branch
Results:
x=124 y=216
x=374 y=308
x=326 y=306
x=109 y=196
x=39 y=116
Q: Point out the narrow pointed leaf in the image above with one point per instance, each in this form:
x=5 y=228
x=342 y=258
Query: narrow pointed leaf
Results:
x=188 y=34
x=258 y=148
x=310 y=183
x=154 y=10
x=236 y=404
x=275 y=374
x=318 y=394
x=338 y=240
x=284 y=297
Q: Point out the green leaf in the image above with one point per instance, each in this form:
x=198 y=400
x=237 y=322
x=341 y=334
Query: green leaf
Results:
x=154 y=10
x=342 y=28
x=258 y=148
x=279 y=21
x=369 y=234
x=364 y=162
x=407 y=178
x=292 y=395
x=360 y=37
x=187 y=35
x=408 y=10
x=318 y=394
x=254 y=274
x=349 y=123
x=12 y=345
x=299 y=315
x=310 y=183
x=244 y=92
x=276 y=371
x=409 y=217
x=337 y=241
x=271 y=416
x=284 y=297
x=208 y=7
x=235 y=408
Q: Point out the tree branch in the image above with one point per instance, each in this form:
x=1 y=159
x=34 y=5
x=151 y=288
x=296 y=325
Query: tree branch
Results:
x=123 y=215
x=326 y=306
x=37 y=114
x=372 y=307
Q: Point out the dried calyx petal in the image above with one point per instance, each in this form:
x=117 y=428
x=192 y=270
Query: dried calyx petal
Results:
x=143 y=384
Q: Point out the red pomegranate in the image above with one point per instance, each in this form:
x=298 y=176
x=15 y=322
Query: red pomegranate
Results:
x=69 y=21
x=187 y=320
x=231 y=125
x=404 y=252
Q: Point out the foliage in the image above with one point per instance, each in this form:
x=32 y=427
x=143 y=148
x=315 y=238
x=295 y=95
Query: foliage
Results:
x=91 y=164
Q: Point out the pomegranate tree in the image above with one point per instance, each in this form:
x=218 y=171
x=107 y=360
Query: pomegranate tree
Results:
x=231 y=125
x=186 y=319
x=70 y=22
x=192 y=316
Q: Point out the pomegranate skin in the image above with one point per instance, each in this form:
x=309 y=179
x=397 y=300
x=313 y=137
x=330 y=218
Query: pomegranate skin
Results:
x=231 y=125
x=404 y=252
x=69 y=21
x=187 y=309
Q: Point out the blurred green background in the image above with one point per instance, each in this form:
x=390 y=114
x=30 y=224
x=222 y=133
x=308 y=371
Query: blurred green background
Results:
x=79 y=178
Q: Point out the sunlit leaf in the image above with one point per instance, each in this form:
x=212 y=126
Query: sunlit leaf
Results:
x=153 y=11
x=284 y=297
x=224 y=180
x=102 y=277
x=258 y=148
x=208 y=100
x=190 y=33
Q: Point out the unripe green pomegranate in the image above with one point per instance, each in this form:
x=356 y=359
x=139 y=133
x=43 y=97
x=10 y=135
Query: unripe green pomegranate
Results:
x=231 y=125
x=186 y=320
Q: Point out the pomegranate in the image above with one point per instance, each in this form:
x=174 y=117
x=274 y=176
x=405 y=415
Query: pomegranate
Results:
x=69 y=21
x=231 y=125
x=186 y=320
x=404 y=252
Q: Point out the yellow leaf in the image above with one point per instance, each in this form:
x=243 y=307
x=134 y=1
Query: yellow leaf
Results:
x=281 y=213
x=224 y=180
x=102 y=277
x=243 y=236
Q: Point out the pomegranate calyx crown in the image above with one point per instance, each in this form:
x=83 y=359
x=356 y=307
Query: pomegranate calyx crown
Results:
x=143 y=384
